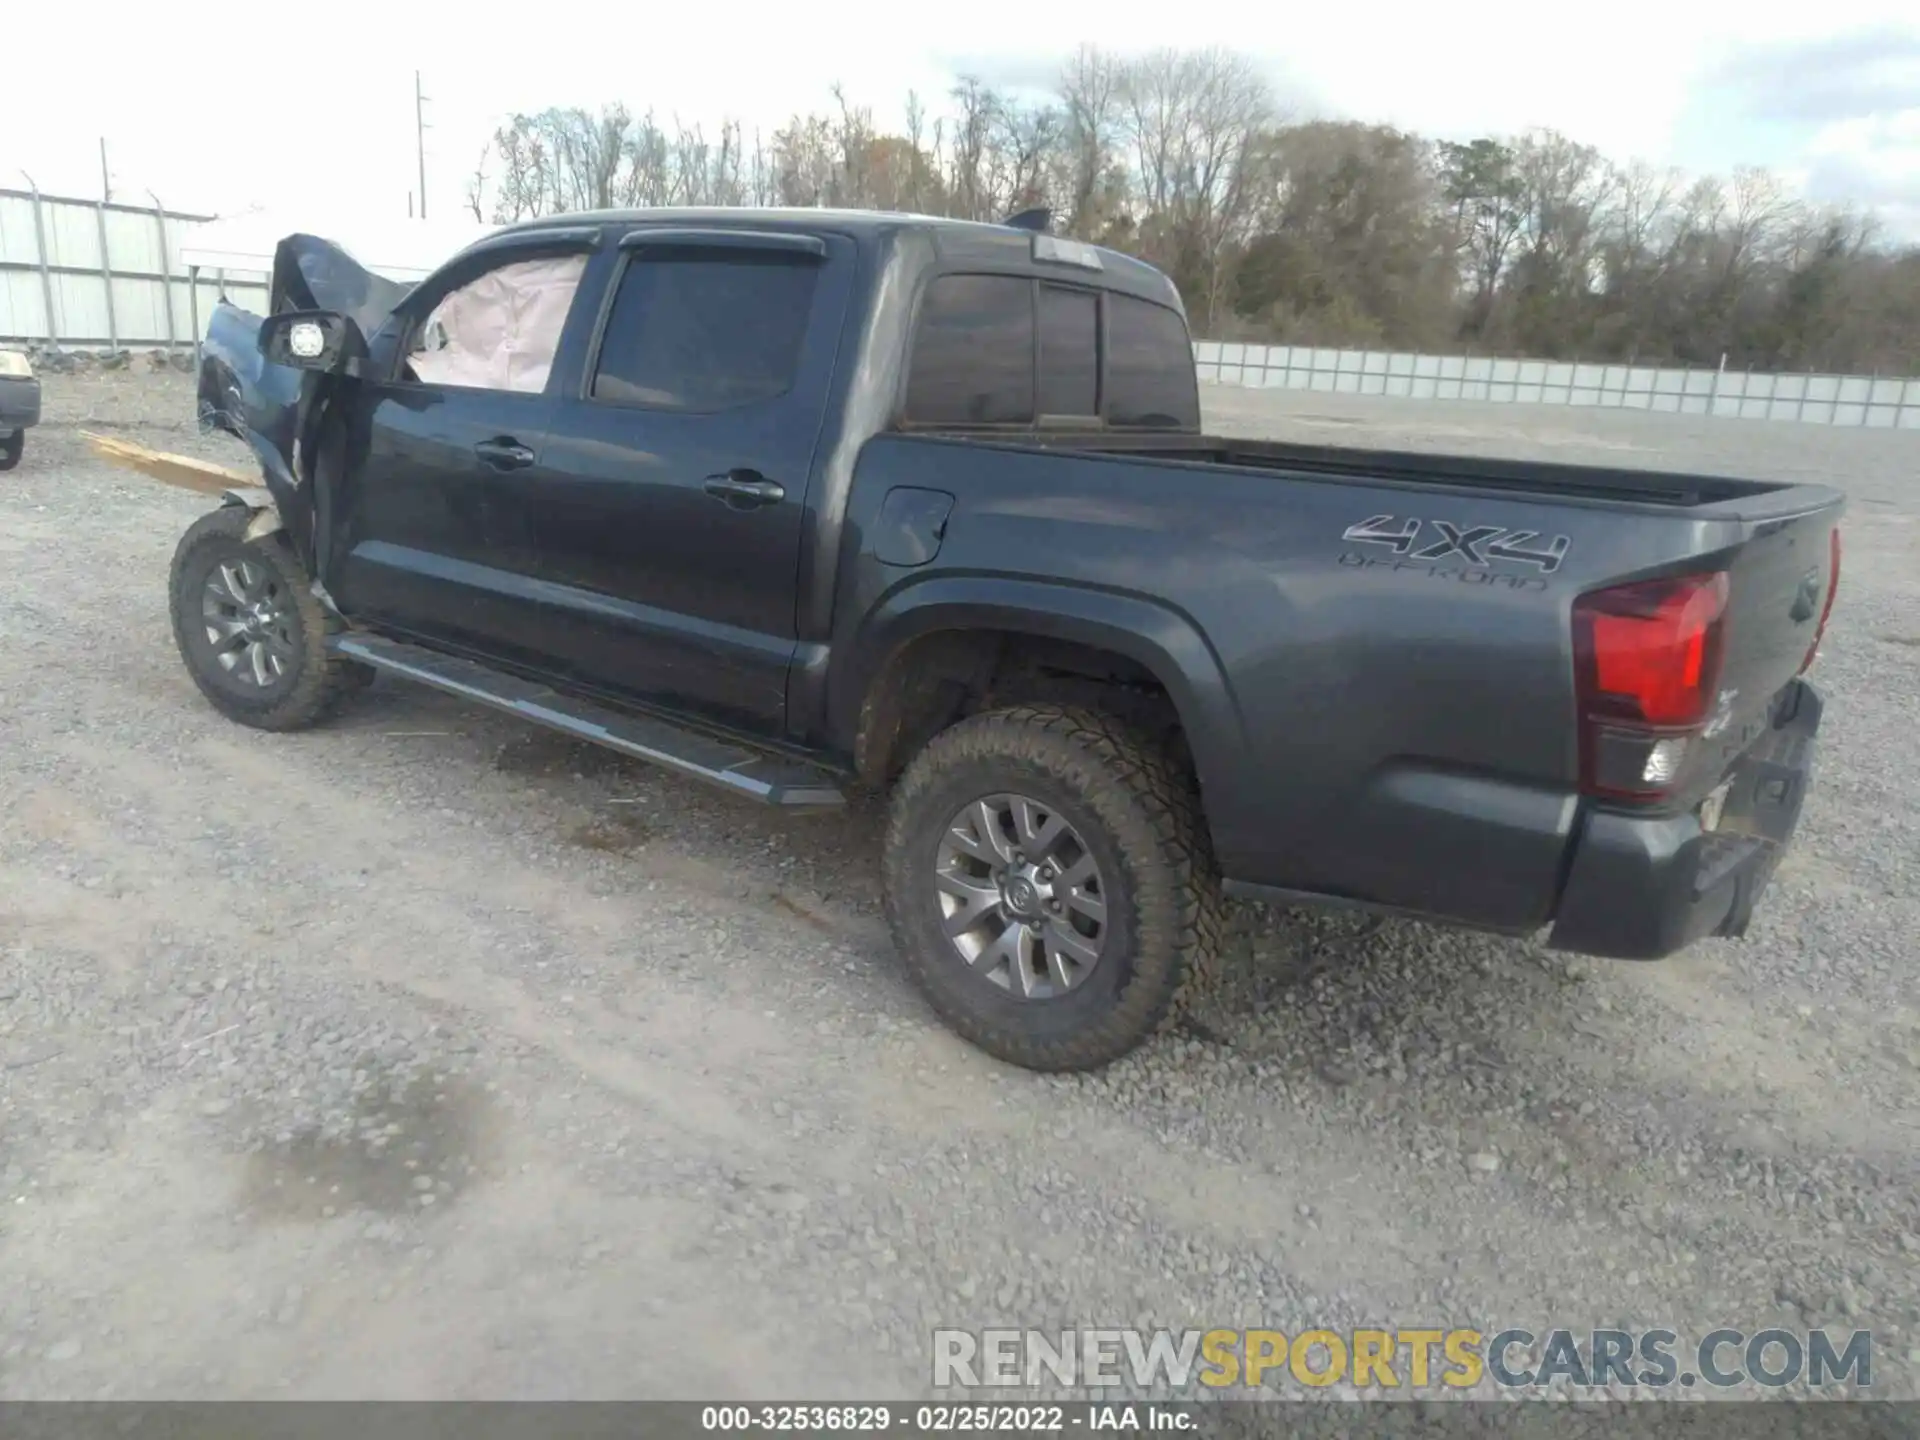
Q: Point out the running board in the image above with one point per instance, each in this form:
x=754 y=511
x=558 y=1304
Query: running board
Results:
x=769 y=779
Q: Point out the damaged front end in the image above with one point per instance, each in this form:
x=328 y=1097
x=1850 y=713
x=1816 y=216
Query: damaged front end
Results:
x=314 y=274
x=310 y=275
x=248 y=387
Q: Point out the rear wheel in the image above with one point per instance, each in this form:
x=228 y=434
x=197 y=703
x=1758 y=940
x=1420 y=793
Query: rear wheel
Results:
x=249 y=629
x=12 y=448
x=1049 y=885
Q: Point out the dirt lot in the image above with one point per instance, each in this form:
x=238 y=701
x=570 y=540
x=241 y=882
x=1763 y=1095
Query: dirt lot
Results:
x=428 y=1055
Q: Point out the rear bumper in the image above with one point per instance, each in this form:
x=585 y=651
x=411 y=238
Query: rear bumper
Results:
x=19 y=403
x=1643 y=887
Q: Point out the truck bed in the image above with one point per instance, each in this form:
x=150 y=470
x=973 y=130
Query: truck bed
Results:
x=1667 y=489
x=1374 y=654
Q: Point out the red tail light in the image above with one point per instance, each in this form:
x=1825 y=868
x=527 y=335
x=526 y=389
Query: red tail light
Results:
x=1653 y=649
x=1826 y=608
x=1647 y=658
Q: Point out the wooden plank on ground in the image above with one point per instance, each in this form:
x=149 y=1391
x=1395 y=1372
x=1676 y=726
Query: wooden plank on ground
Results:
x=183 y=471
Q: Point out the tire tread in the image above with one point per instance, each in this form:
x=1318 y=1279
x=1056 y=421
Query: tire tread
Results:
x=325 y=680
x=1182 y=912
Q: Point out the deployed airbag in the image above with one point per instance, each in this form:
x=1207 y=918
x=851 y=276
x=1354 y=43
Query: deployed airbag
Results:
x=501 y=331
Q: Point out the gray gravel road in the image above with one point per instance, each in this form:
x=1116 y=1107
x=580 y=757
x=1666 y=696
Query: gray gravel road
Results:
x=428 y=1055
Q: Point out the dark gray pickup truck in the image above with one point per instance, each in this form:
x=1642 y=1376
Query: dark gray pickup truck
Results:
x=799 y=501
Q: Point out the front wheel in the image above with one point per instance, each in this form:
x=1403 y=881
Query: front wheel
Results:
x=12 y=448
x=1049 y=885
x=252 y=635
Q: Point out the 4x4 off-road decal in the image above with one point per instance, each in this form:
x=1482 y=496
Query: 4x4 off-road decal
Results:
x=1478 y=545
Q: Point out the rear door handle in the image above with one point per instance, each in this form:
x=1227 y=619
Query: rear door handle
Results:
x=745 y=489
x=503 y=452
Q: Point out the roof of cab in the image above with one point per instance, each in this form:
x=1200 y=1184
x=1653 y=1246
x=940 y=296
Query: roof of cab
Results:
x=958 y=242
x=853 y=221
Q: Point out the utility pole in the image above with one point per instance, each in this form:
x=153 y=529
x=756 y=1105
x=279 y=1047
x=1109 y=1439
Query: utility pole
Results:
x=106 y=180
x=420 y=140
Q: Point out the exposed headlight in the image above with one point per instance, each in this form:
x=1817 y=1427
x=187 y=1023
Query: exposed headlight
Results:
x=306 y=340
x=13 y=363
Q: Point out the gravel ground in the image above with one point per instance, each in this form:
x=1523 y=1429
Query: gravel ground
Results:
x=429 y=1055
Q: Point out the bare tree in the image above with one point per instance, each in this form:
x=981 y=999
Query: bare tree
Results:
x=525 y=170
x=1641 y=201
x=803 y=161
x=969 y=170
x=1320 y=232
x=1558 y=189
x=476 y=191
x=916 y=197
x=1484 y=194
x=1192 y=118
x=1090 y=140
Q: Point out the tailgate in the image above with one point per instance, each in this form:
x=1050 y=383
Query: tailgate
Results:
x=1780 y=587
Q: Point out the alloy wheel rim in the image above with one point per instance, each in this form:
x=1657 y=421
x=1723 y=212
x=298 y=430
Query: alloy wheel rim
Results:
x=248 y=623
x=1021 y=897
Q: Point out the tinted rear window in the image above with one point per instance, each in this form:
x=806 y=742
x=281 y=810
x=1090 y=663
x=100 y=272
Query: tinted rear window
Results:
x=1069 y=351
x=973 y=356
x=1150 y=374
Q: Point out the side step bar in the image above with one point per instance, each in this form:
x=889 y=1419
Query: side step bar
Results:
x=766 y=778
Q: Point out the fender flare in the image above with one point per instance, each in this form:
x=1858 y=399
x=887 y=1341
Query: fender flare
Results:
x=1163 y=640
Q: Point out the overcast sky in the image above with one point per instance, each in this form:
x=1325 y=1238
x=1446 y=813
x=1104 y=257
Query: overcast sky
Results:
x=219 y=106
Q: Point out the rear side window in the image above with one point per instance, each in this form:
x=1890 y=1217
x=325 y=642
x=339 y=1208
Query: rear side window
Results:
x=703 y=330
x=1150 y=372
x=973 y=354
x=973 y=358
x=975 y=349
x=1069 y=351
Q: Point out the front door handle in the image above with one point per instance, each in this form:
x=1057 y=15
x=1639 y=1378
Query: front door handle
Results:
x=745 y=489
x=503 y=452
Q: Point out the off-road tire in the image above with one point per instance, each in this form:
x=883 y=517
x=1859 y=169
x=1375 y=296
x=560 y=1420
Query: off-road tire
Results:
x=1139 y=815
x=318 y=681
x=12 y=448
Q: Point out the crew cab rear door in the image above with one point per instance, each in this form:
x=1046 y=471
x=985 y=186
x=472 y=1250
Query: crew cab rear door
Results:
x=668 y=516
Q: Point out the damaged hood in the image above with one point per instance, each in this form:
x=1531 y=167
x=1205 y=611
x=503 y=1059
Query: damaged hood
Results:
x=314 y=274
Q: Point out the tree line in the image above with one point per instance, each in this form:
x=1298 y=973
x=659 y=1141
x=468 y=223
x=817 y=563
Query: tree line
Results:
x=1296 y=231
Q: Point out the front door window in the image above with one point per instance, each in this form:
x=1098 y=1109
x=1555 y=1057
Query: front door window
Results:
x=500 y=331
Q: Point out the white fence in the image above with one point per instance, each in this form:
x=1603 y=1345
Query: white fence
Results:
x=87 y=275
x=1860 y=400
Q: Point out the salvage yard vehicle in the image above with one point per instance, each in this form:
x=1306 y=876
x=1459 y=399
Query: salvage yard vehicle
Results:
x=795 y=502
x=19 y=405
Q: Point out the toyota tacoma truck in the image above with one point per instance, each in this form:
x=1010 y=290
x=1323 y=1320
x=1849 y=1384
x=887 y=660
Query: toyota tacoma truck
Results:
x=804 y=502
